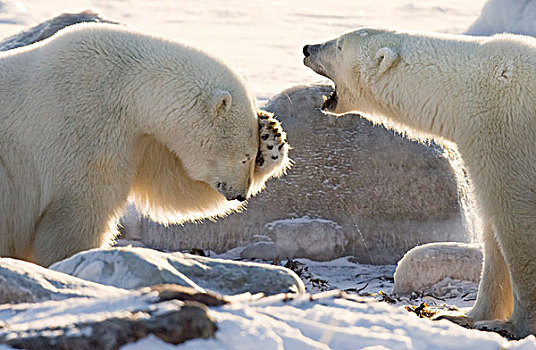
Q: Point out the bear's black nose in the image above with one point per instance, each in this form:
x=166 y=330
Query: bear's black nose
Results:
x=306 y=52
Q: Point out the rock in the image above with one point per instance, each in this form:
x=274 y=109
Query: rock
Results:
x=264 y=251
x=49 y=28
x=128 y=268
x=424 y=266
x=505 y=16
x=292 y=237
x=175 y=292
x=103 y=323
x=130 y=225
x=24 y=282
x=133 y=268
x=355 y=189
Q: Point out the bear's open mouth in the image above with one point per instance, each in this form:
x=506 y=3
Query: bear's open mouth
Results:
x=330 y=103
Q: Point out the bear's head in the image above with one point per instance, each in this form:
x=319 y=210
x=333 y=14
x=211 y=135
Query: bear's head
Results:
x=225 y=142
x=354 y=61
x=214 y=133
x=203 y=126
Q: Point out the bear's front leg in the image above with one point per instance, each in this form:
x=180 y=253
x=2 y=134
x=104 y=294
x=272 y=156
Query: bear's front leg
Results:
x=494 y=299
x=515 y=234
x=64 y=230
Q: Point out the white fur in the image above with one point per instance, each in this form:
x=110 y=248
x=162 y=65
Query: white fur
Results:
x=99 y=113
x=476 y=92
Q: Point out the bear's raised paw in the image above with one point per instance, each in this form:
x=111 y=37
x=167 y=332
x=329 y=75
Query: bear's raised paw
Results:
x=273 y=146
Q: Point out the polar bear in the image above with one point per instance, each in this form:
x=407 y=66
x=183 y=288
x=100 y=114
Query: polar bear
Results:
x=476 y=92
x=98 y=114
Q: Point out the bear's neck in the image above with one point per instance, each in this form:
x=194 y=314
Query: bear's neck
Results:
x=429 y=99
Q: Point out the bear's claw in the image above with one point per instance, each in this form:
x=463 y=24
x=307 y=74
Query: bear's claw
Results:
x=461 y=320
x=503 y=328
x=271 y=134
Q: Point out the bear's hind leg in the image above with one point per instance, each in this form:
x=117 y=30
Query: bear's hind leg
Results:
x=494 y=299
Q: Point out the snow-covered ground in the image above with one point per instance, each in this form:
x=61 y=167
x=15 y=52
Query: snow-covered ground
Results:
x=263 y=40
x=328 y=322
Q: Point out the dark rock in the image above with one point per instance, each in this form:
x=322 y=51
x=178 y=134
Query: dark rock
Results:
x=190 y=321
x=49 y=28
x=168 y=292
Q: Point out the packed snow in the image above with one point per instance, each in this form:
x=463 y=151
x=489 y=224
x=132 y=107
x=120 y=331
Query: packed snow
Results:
x=263 y=40
x=326 y=321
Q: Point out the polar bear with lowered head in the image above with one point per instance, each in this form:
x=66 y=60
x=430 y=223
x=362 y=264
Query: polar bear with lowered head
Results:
x=476 y=92
x=100 y=113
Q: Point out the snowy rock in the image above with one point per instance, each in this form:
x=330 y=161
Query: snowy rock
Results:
x=499 y=16
x=355 y=189
x=424 y=266
x=48 y=28
x=130 y=225
x=265 y=251
x=318 y=239
x=103 y=323
x=24 y=282
x=133 y=268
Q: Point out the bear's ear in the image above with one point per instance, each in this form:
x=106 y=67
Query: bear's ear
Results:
x=386 y=57
x=221 y=100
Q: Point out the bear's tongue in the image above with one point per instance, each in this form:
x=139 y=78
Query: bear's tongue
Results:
x=331 y=102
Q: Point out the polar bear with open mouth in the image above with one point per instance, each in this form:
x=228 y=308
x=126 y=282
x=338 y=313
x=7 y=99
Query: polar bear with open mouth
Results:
x=476 y=92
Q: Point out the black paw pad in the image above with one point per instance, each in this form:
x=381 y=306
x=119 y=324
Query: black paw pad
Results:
x=259 y=160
